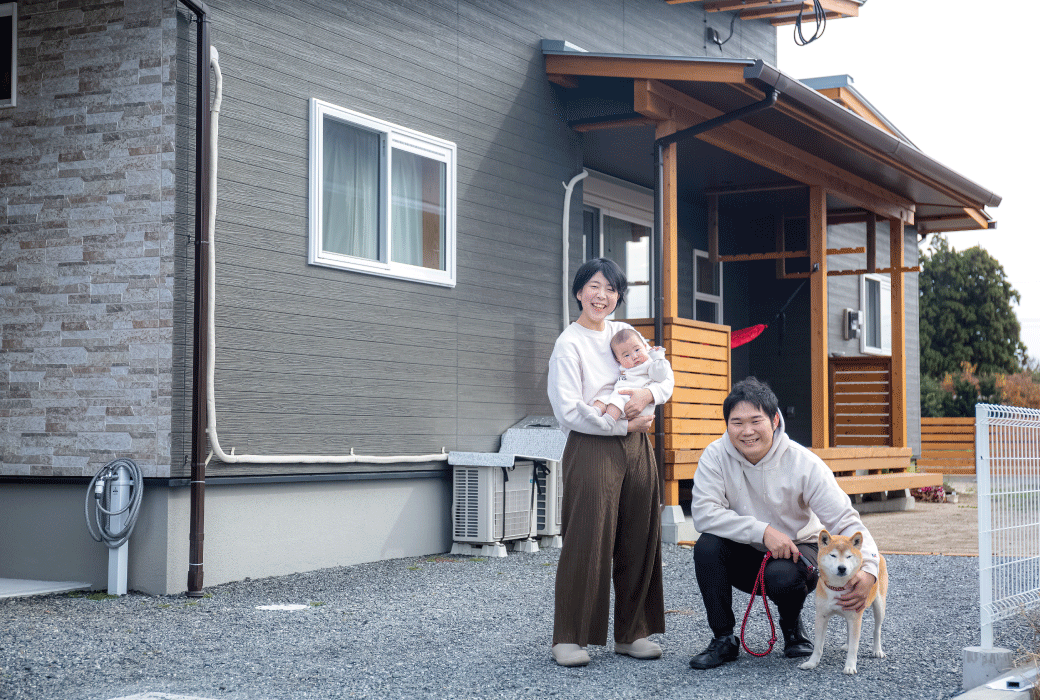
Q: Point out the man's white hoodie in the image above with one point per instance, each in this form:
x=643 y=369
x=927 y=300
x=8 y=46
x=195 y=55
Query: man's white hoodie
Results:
x=790 y=488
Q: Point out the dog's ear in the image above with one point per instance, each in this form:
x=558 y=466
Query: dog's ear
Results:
x=857 y=540
x=825 y=538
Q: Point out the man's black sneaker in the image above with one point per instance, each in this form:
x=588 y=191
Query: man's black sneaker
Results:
x=720 y=650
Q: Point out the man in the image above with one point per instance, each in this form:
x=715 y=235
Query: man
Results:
x=757 y=491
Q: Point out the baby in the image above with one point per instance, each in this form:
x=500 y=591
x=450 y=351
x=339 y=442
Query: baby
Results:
x=641 y=366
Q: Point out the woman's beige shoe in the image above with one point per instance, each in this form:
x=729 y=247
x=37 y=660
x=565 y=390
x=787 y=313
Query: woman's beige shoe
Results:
x=639 y=649
x=570 y=655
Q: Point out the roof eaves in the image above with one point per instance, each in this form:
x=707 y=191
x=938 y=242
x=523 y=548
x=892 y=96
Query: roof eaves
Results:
x=865 y=132
x=845 y=82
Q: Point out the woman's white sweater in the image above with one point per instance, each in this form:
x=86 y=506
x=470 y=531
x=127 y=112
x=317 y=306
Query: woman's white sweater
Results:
x=582 y=366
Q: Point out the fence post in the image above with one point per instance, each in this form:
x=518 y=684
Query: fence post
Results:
x=984 y=490
x=984 y=663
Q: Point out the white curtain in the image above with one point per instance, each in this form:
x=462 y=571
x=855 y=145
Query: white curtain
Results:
x=350 y=199
x=406 y=212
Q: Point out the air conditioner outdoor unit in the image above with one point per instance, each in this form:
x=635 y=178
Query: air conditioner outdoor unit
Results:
x=491 y=503
x=550 y=499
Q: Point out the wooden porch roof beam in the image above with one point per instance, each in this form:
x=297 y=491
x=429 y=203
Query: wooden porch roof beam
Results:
x=612 y=124
x=788 y=9
x=847 y=99
x=840 y=273
x=781 y=21
x=787 y=254
x=751 y=189
x=661 y=102
x=846 y=7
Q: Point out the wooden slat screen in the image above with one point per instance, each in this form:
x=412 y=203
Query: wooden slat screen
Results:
x=947 y=445
x=700 y=357
x=861 y=401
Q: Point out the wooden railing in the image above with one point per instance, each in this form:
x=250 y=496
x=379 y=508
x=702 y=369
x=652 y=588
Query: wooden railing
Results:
x=700 y=357
x=947 y=445
x=861 y=401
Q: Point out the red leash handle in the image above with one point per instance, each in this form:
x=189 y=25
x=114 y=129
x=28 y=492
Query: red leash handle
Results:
x=760 y=586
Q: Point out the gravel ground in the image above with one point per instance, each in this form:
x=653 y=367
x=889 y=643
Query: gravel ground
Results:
x=459 y=627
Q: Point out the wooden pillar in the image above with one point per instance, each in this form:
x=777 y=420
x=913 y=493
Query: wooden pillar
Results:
x=895 y=250
x=819 y=379
x=670 y=233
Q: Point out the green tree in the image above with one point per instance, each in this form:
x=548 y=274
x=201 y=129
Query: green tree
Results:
x=967 y=314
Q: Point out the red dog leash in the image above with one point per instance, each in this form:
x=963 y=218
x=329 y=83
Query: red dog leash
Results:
x=760 y=586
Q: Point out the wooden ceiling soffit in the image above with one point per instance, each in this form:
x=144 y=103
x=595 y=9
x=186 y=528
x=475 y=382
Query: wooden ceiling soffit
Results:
x=778 y=12
x=661 y=102
x=565 y=70
x=966 y=219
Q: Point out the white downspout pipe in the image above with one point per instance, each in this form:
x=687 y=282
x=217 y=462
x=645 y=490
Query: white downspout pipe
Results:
x=211 y=429
x=565 y=318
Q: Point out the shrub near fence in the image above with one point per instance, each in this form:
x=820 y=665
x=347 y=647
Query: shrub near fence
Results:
x=947 y=446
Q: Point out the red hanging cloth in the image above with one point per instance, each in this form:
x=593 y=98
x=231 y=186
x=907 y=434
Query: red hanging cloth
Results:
x=746 y=335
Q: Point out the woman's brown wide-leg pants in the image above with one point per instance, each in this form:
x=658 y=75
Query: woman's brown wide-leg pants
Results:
x=611 y=514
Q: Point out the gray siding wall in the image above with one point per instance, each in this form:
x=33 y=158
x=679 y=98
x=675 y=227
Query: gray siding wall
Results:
x=97 y=253
x=843 y=292
x=86 y=253
x=320 y=361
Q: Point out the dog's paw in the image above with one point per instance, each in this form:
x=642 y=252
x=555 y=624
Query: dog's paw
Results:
x=809 y=665
x=850 y=670
x=878 y=654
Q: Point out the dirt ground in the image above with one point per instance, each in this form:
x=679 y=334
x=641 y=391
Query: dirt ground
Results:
x=931 y=528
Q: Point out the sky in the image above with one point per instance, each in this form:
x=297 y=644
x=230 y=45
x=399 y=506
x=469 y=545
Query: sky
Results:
x=956 y=80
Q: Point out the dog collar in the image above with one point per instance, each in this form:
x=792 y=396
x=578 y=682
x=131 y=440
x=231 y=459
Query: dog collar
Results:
x=833 y=588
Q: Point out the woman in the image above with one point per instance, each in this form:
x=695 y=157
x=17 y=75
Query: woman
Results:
x=611 y=496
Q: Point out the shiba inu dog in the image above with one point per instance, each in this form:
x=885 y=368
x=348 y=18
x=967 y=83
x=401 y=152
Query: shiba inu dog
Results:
x=839 y=560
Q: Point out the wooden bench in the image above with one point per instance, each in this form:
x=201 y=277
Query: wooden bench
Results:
x=867 y=470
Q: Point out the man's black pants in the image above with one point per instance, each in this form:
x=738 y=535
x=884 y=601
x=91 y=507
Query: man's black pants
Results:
x=722 y=564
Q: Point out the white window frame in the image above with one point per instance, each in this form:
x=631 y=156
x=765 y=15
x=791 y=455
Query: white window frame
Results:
x=391 y=136
x=701 y=296
x=11 y=9
x=623 y=200
x=885 y=307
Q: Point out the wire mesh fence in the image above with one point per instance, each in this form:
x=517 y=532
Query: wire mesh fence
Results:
x=1007 y=454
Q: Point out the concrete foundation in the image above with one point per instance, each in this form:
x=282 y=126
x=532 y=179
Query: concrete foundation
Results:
x=982 y=665
x=251 y=530
x=671 y=519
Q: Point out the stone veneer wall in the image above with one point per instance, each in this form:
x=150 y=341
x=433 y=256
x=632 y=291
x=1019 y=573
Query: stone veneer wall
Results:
x=87 y=239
